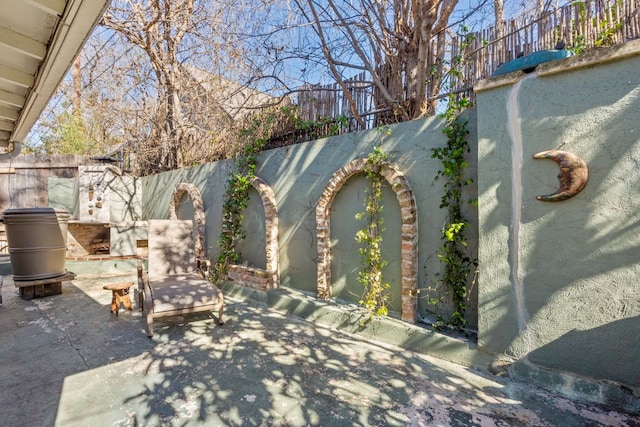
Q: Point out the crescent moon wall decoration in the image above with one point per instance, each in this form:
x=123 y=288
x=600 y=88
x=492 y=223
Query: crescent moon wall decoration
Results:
x=573 y=175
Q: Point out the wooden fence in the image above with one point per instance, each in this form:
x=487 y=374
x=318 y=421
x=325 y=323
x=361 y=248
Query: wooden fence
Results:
x=581 y=25
x=24 y=180
x=315 y=101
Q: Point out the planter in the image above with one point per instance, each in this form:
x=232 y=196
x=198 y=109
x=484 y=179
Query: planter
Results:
x=37 y=239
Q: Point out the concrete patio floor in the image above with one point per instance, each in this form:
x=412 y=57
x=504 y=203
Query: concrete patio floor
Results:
x=66 y=361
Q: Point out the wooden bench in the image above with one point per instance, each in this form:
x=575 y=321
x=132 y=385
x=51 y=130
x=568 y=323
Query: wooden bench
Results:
x=119 y=295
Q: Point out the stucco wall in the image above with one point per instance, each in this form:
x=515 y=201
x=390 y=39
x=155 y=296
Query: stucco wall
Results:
x=63 y=194
x=299 y=174
x=574 y=304
x=123 y=198
x=558 y=284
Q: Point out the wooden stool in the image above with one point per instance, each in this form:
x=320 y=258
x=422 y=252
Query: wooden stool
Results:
x=119 y=294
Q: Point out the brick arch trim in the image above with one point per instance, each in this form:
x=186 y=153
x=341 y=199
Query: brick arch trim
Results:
x=409 y=252
x=272 y=249
x=198 y=212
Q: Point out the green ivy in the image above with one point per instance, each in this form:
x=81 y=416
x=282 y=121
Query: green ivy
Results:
x=255 y=136
x=457 y=264
x=606 y=31
x=324 y=126
x=375 y=296
x=236 y=200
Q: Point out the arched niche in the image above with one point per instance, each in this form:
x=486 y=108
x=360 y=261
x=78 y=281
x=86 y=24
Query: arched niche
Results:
x=268 y=278
x=409 y=252
x=198 y=212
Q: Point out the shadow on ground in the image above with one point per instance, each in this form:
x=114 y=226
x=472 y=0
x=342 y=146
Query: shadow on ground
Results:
x=65 y=360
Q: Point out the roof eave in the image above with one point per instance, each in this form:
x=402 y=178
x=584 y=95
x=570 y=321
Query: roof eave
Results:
x=74 y=27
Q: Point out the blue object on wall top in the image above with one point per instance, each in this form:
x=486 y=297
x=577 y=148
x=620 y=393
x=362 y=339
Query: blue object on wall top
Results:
x=531 y=61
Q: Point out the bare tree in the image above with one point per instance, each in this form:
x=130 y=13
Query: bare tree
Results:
x=400 y=43
x=159 y=28
x=187 y=104
x=176 y=79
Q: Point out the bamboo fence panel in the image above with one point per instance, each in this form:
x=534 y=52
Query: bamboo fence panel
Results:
x=586 y=24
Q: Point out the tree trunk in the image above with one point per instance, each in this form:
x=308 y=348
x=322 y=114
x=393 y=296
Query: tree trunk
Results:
x=498 y=10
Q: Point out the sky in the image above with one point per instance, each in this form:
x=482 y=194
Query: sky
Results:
x=482 y=18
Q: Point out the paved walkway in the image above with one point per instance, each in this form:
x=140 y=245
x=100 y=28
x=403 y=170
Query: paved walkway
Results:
x=66 y=361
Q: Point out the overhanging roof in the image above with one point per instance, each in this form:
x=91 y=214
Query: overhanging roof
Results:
x=39 y=40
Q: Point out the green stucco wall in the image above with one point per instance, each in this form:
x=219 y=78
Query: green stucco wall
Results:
x=576 y=306
x=298 y=175
x=124 y=200
x=558 y=288
x=253 y=249
x=63 y=194
x=346 y=259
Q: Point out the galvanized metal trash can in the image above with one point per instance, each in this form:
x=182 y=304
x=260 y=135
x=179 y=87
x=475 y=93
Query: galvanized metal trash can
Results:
x=37 y=239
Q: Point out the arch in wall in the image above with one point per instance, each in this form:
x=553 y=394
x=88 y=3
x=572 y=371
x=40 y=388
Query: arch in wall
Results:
x=409 y=215
x=198 y=212
x=257 y=278
x=272 y=250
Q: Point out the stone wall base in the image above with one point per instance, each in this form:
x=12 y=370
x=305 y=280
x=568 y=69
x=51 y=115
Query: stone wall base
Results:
x=251 y=277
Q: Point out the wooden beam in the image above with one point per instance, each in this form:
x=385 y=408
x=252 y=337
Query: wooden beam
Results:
x=52 y=7
x=16 y=77
x=6 y=125
x=8 y=114
x=12 y=99
x=4 y=136
x=23 y=44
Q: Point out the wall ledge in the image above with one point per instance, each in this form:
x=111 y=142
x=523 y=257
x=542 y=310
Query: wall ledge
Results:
x=603 y=392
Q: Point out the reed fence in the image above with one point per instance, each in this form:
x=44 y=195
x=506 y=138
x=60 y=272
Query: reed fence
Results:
x=315 y=102
x=578 y=26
